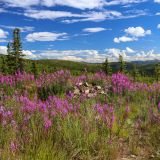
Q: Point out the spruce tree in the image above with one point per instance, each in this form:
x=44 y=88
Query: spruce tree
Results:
x=135 y=71
x=122 y=64
x=106 y=67
x=15 y=59
x=157 y=71
x=17 y=51
x=34 y=69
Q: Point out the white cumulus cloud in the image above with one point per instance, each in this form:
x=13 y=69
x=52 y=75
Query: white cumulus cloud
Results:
x=95 y=56
x=158 y=26
x=137 y=31
x=3 y=34
x=91 y=56
x=157 y=1
x=131 y=55
x=28 y=54
x=45 y=36
x=124 y=39
x=94 y=30
x=3 y=50
x=132 y=34
x=129 y=50
x=157 y=14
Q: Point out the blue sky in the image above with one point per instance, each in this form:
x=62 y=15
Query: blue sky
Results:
x=83 y=30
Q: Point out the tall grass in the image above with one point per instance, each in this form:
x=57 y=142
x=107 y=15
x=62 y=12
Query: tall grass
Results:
x=62 y=126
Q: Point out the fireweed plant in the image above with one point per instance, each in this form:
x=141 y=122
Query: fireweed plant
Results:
x=41 y=118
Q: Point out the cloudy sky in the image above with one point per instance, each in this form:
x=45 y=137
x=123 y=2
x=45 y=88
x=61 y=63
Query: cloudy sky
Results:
x=83 y=30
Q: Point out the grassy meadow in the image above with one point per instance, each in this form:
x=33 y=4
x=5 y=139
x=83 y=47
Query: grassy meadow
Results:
x=90 y=116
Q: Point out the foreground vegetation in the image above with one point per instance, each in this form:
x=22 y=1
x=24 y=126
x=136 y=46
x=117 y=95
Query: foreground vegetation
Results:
x=61 y=116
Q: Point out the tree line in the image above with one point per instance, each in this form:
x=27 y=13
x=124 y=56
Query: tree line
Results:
x=123 y=68
x=15 y=61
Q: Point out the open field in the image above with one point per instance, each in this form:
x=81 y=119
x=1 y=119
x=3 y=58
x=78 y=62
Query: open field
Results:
x=59 y=116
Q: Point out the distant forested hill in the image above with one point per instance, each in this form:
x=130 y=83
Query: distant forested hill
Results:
x=145 y=67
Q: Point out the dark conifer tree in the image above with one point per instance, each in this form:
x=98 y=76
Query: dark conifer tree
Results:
x=17 y=51
x=15 y=59
x=135 y=71
x=122 y=64
x=106 y=67
x=34 y=69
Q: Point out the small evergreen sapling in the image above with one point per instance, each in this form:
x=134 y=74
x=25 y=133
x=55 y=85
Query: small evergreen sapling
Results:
x=122 y=64
x=135 y=71
x=106 y=67
x=34 y=69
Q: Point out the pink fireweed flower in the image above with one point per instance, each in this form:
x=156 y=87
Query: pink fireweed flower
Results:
x=28 y=106
x=106 y=114
x=126 y=113
x=14 y=124
x=111 y=117
x=43 y=107
x=127 y=109
x=4 y=122
x=47 y=123
x=58 y=76
x=13 y=146
x=53 y=113
x=121 y=83
x=5 y=116
x=69 y=95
